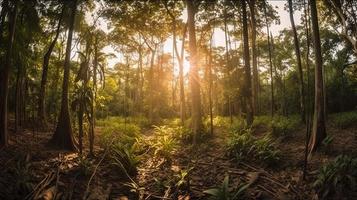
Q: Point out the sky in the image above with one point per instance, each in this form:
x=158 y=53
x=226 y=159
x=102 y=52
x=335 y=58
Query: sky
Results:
x=219 y=34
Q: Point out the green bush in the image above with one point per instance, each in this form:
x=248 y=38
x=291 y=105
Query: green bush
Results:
x=279 y=126
x=139 y=121
x=120 y=133
x=222 y=192
x=164 y=143
x=337 y=177
x=243 y=146
x=344 y=119
x=126 y=158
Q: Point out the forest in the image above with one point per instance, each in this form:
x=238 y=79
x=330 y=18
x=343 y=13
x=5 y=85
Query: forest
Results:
x=178 y=99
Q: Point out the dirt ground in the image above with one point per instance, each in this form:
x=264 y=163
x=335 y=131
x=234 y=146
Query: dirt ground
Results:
x=30 y=167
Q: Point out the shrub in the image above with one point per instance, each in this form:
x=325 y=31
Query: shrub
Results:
x=337 y=177
x=242 y=146
x=223 y=193
x=345 y=119
x=125 y=158
x=120 y=133
x=282 y=126
x=279 y=126
x=164 y=142
x=85 y=166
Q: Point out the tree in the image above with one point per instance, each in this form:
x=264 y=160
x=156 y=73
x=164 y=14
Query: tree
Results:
x=272 y=103
x=255 y=81
x=41 y=113
x=345 y=11
x=4 y=75
x=63 y=137
x=299 y=65
x=194 y=77
x=318 y=128
x=247 y=81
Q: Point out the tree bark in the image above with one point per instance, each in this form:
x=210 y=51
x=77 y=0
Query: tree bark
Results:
x=272 y=105
x=194 y=77
x=4 y=77
x=63 y=136
x=318 y=128
x=248 y=87
x=41 y=112
x=255 y=88
x=299 y=65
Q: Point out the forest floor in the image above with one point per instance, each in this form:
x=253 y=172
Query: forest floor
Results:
x=31 y=169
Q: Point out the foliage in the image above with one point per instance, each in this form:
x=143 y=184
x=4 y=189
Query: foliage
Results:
x=279 y=126
x=223 y=193
x=344 y=119
x=242 y=145
x=337 y=177
x=183 y=178
x=165 y=143
x=115 y=131
x=85 y=166
x=125 y=158
x=22 y=174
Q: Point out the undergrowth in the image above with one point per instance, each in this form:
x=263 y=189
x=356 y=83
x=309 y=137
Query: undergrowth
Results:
x=344 y=119
x=279 y=126
x=337 y=177
x=242 y=145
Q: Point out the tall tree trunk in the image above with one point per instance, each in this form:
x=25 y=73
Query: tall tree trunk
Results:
x=194 y=77
x=63 y=136
x=299 y=65
x=41 y=113
x=318 y=127
x=4 y=77
x=247 y=76
x=272 y=103
x=210 y=84
x=18 y=97
x=94 y=96
x=151 y=85
x=255 y=88
x=227 y=64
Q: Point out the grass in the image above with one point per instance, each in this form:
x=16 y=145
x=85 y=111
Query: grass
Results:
x=344 y=119
x=337 y=177
x=242 y=145
x=279 y=126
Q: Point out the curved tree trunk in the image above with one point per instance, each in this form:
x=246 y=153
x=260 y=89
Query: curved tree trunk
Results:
x=4 y=78
x=247 y=76
x=299 y=65
x=194 y=77
x=41 y=113
x=318 y=127
x=63 y=137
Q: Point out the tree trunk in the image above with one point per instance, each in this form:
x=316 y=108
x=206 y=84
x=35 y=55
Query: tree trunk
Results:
x=63 y=137
x=210 y=84
x=247 y=76
x=194 y=77
x=272 y=105
x=4 y=78
x=318 y=128
x=18 y=97
x=299 y=65
x=41 y=113
x=255 y=88
x=94 y=96
x=151 y=85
